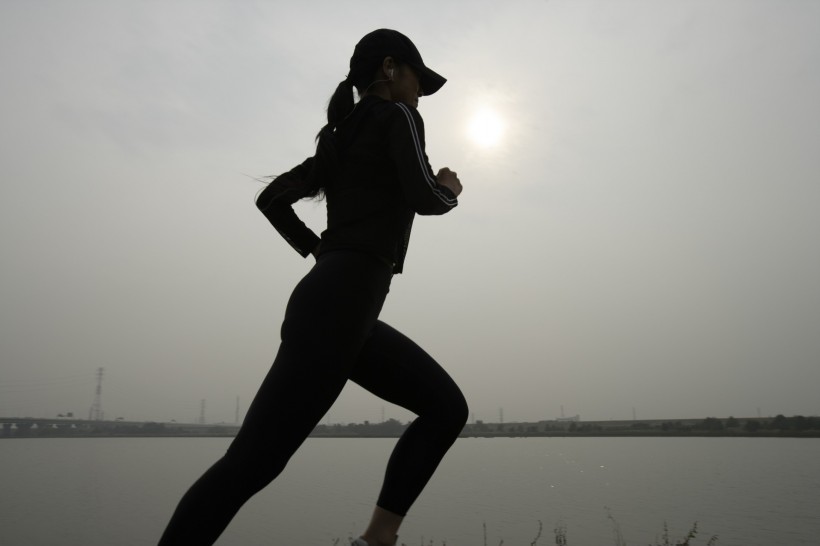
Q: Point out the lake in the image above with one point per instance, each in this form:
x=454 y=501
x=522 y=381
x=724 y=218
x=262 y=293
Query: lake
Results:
x=121 y=491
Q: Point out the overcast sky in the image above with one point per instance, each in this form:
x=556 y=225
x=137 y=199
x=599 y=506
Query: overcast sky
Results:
x=642 y=237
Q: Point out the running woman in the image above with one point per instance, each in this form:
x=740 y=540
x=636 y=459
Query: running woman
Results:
x=370 y=165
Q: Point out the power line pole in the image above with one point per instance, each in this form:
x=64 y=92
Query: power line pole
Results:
x=96 y=412
x=236 y=417
x=202 y=412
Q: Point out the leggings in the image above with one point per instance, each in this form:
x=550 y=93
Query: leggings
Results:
x=331 y=333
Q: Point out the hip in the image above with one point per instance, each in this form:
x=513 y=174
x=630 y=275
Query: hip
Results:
x=344 y=290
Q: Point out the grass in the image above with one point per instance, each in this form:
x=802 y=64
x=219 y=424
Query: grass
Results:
x=560 y=536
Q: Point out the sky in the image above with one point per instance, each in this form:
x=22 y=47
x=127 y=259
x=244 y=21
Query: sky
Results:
x=637 y=236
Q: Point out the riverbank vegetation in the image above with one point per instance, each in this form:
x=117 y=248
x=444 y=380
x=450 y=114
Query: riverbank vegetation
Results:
x=797 y=426
x=560 y=536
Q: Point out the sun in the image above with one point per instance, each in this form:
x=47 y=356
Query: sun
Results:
x=486 y=128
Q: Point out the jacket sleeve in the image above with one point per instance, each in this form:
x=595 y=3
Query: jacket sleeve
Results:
x=276 y=203
x=406 y=149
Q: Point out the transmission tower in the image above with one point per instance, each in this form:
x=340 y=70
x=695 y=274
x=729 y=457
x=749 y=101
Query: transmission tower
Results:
x=96 y=412
x=202 y=412
x=236 y=418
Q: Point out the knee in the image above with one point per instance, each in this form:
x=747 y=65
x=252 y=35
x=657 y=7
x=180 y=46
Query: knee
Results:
x=455 y=412
x=463 y=412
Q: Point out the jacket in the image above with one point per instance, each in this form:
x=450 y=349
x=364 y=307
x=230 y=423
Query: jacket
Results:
x=384 y=179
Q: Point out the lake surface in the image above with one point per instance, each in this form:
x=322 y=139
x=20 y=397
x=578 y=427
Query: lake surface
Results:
x=121 y=491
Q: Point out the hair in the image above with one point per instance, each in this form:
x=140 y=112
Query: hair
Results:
x=326 y=162
x=340 y=106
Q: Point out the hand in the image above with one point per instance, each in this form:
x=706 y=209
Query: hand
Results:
x=449 y=180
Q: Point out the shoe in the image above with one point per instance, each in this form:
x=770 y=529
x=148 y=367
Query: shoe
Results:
x=362 y=542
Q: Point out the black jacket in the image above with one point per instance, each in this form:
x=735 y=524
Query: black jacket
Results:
x=384 y=179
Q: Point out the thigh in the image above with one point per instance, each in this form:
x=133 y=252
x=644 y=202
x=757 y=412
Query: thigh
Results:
x=396 y=369
x=297 y=391
x=328 y=319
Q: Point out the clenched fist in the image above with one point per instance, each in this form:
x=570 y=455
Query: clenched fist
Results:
x=449 y=180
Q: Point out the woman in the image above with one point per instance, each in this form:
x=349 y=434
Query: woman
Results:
x=371 y=166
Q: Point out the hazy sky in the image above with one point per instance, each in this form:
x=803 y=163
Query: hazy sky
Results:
x=643 y=235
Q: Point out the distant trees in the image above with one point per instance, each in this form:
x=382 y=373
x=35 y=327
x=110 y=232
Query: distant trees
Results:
x=390 y=427
x=751 y=426
x=797 y=423
x=153 y=427
x=796 y=426
x=711 y=424
x=671 y=426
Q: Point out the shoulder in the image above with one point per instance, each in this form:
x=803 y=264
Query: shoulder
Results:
x=397 y=112
x=409 y=113
x=402 y=119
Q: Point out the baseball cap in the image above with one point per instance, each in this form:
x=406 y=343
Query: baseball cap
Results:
x=384 y=42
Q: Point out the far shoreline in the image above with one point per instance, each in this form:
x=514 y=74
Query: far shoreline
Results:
x=710 y=427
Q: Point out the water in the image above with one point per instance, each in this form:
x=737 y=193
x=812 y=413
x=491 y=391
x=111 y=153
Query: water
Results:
x=121 y=491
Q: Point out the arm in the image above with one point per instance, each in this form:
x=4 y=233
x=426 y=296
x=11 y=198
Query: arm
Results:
x=423 y=190
x=276 y=203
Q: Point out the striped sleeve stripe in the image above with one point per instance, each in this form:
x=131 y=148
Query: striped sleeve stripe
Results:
x=420 y=155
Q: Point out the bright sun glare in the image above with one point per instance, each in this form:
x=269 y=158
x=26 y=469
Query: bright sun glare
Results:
x=486 y=128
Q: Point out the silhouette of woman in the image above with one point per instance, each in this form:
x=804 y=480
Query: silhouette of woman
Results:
x=371 y=166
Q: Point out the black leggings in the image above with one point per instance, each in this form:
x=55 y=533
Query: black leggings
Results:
x=331 y=333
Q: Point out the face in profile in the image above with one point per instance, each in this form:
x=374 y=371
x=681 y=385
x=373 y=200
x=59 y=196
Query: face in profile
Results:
x=405 y=86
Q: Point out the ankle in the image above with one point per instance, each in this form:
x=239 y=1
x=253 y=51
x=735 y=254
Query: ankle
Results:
x=383 y=527
x=379 y=541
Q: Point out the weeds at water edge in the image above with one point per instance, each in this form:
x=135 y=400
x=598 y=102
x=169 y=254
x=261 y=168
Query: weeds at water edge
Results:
x=560 y=533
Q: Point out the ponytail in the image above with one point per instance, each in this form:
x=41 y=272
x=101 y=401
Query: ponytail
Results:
x=339 y=107
x=341 y=103
x=327 y=156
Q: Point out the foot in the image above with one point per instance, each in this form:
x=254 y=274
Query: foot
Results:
x=362 y=542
